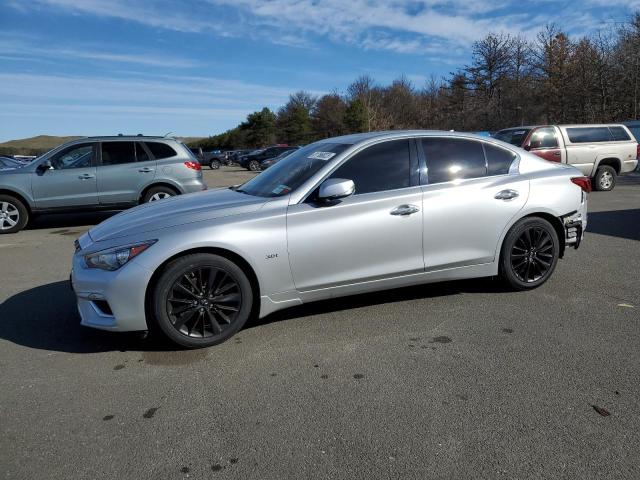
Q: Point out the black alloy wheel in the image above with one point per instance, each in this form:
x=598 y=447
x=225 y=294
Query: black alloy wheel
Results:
x=530 y=253
x=201 y=300
x=204 y=302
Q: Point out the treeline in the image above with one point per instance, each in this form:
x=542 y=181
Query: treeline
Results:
x=510 y=81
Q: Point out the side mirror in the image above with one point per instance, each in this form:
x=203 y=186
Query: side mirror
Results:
x=335 y=189
x=44 y=166
x=527 y=147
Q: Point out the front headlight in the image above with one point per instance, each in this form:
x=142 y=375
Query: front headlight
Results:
x=115 y=257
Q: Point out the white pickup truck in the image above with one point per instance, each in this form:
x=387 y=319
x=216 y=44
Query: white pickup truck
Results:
x=601 y=152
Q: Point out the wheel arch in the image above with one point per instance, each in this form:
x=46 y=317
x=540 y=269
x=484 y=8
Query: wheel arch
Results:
x=19 y=196
x=613 y=162
x=223 y=252
x=554 y=220
x=166 y=184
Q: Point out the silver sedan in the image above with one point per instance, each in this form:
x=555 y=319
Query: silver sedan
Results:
x=338 y=217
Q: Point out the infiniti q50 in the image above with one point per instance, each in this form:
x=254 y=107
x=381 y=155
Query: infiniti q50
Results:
x=345 y=215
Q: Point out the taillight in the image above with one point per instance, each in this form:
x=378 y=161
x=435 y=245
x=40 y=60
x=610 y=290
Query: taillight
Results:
x=638 y=152
x=583 y=182
x=193 y=165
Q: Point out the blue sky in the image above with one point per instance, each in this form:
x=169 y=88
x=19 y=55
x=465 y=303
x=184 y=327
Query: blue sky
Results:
x=198 y=67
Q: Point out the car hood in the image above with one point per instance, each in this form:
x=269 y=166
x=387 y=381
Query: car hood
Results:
x=179 y=210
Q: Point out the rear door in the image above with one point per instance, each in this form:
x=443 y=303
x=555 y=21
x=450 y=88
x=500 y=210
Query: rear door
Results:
x=546 y=142
x=469 y=199
x=71 y=182
x=125 y=168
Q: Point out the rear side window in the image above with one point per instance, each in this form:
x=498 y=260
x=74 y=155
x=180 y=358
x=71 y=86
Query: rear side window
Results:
x=619 y=133
x=589 y=134
x=514 y=137
x=385 y=166
x=499 y=160
x=453 y=159
x=117 y=153
x=160 y=150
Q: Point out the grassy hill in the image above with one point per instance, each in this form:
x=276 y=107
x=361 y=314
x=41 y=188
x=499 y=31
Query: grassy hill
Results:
x=43 y=143
x=33 y=145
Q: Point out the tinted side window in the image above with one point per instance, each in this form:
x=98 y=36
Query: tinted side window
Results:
x=78 y=156
x=385 y=166
x=619 y=133
x=589 y=134
x=499 y=160
x=453 y=158
x=117 y=153
x=141 y=153
x=544 y=137
x=160 y=150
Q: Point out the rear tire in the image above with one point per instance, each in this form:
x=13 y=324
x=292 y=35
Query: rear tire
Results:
x=214 y=165
x=158 y=193
x=530 y=253
x=605 y=178
x=201 y=300
x=13 y=214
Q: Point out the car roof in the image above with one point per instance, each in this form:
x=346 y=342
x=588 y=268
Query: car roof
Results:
x=390 y=134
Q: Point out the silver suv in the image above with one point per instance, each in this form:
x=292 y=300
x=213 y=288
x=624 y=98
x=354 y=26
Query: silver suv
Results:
x=94 y=173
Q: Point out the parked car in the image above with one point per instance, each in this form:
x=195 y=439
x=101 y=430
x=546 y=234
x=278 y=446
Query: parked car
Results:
x=341 y=216
x=601 y=152
x=97 y=173
x=264 y=164
x=8 y=163
x=252 y=160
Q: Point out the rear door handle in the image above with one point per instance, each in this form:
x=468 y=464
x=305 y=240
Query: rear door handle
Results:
x=145 y=170
x=506 y=194
x=86 y=176
x=403 y=210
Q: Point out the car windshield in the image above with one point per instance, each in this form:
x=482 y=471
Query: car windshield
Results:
x=287 y=175
x=514 y=136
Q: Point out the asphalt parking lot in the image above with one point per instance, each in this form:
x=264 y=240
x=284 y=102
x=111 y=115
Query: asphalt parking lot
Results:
x=455 y=380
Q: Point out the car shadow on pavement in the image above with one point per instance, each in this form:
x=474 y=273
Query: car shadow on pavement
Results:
x=63 y=220
x=46 y=318
x=615 y=223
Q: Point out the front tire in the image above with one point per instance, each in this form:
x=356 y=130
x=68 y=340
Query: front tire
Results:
x=201 y=300
x=605 y=178
x=529 y=254
x=13 y=214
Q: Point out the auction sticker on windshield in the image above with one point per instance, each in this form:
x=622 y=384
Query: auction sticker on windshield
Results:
x=322 y=155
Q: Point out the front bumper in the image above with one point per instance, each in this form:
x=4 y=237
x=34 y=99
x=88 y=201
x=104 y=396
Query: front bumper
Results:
x=111 y=300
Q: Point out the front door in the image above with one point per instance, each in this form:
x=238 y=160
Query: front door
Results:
x=71 y=182
x=543 y=142
x=374 y=234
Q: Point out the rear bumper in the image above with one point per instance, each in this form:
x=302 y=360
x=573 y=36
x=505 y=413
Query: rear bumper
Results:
x=191 y=186
x=629 y=166
x=575 y=224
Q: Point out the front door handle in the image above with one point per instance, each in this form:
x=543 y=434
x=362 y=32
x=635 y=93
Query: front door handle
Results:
x=403 y=210
x=86 y=176
x=146 y=170
x=506 y=194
